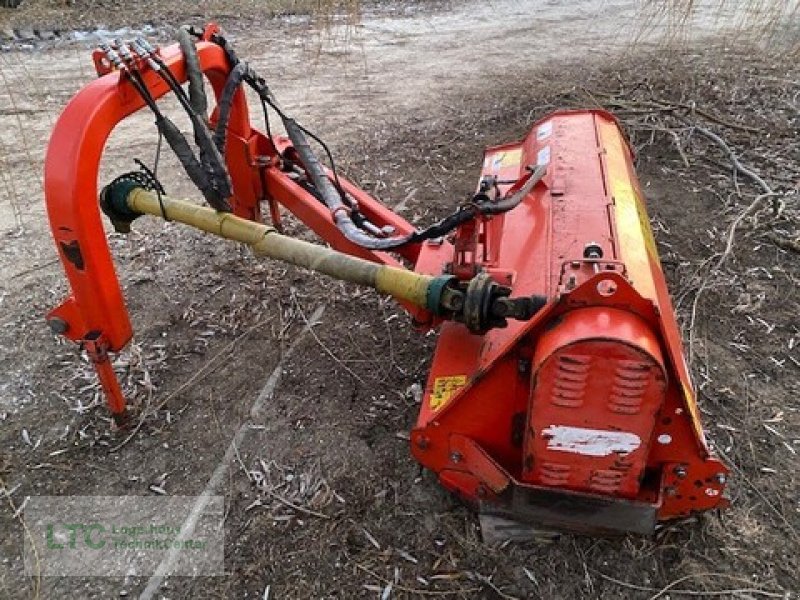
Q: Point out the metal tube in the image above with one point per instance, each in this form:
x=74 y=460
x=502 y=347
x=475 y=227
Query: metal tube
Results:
x=266 y=241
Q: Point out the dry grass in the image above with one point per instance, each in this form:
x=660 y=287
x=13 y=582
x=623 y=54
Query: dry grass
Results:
x=766 y=20
x=769 y=22
x=86 y=14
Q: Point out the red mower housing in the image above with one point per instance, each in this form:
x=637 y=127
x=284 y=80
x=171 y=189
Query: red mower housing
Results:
x=584 y=417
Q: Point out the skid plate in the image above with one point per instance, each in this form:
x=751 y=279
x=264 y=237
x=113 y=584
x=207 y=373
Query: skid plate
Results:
x=572 y=511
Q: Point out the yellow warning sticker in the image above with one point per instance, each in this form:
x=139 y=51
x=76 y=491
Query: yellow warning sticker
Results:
x=444 y=388
x=512 y=158
x=503 y=159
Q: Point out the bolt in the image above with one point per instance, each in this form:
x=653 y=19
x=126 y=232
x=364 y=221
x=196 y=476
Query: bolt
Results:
x=423 y=443
x=680 y=471
x=720 y=478
x=571 y=282
x=523 y=365
x=57 y=325
x=670 y=491
x=455 y=457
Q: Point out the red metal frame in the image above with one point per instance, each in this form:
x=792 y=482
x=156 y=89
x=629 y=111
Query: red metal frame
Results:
x=94 y=314
x=590 y=401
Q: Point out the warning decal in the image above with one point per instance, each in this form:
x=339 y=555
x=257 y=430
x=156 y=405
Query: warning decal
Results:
x=503 y=160
x=444 y=388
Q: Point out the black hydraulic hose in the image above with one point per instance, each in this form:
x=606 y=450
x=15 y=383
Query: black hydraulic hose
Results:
x=331 y=197
x=248 y=75
x=196 y=106
x=344 y=221
x=146 y=50
x=133 y=76
x=241 y=71
x=226 y=103
x=141 y=88
x=123 y=60
x=348 y=219
x=230 y=53
x=470 y=211
x=210 y=158
x=176 y=141
x=510 y=202
x=266 y=119
x=174 y=137
x=196 y=172
x=194 y=74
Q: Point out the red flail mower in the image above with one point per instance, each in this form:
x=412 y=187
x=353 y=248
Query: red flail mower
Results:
x=558 y=393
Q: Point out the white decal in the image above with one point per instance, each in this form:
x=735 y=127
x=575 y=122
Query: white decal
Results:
x=543 y=157
x=544 y=130
x=590 y=442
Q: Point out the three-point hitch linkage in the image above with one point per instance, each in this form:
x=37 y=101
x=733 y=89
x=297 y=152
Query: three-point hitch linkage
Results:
x=558 y=392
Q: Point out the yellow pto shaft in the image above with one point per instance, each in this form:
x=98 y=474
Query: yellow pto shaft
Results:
x=420 y=290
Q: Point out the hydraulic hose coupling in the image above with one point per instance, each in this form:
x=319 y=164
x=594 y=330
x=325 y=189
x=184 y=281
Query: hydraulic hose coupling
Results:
x=144 y=54
x=111 y=55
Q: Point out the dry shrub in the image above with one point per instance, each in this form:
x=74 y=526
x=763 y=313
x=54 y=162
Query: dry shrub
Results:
x=770 y=22
x=86 y=14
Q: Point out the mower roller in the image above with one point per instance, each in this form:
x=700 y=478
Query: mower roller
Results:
x=558 y=392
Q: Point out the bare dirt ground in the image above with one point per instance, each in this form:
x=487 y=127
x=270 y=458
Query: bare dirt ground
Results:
x=408 y=103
